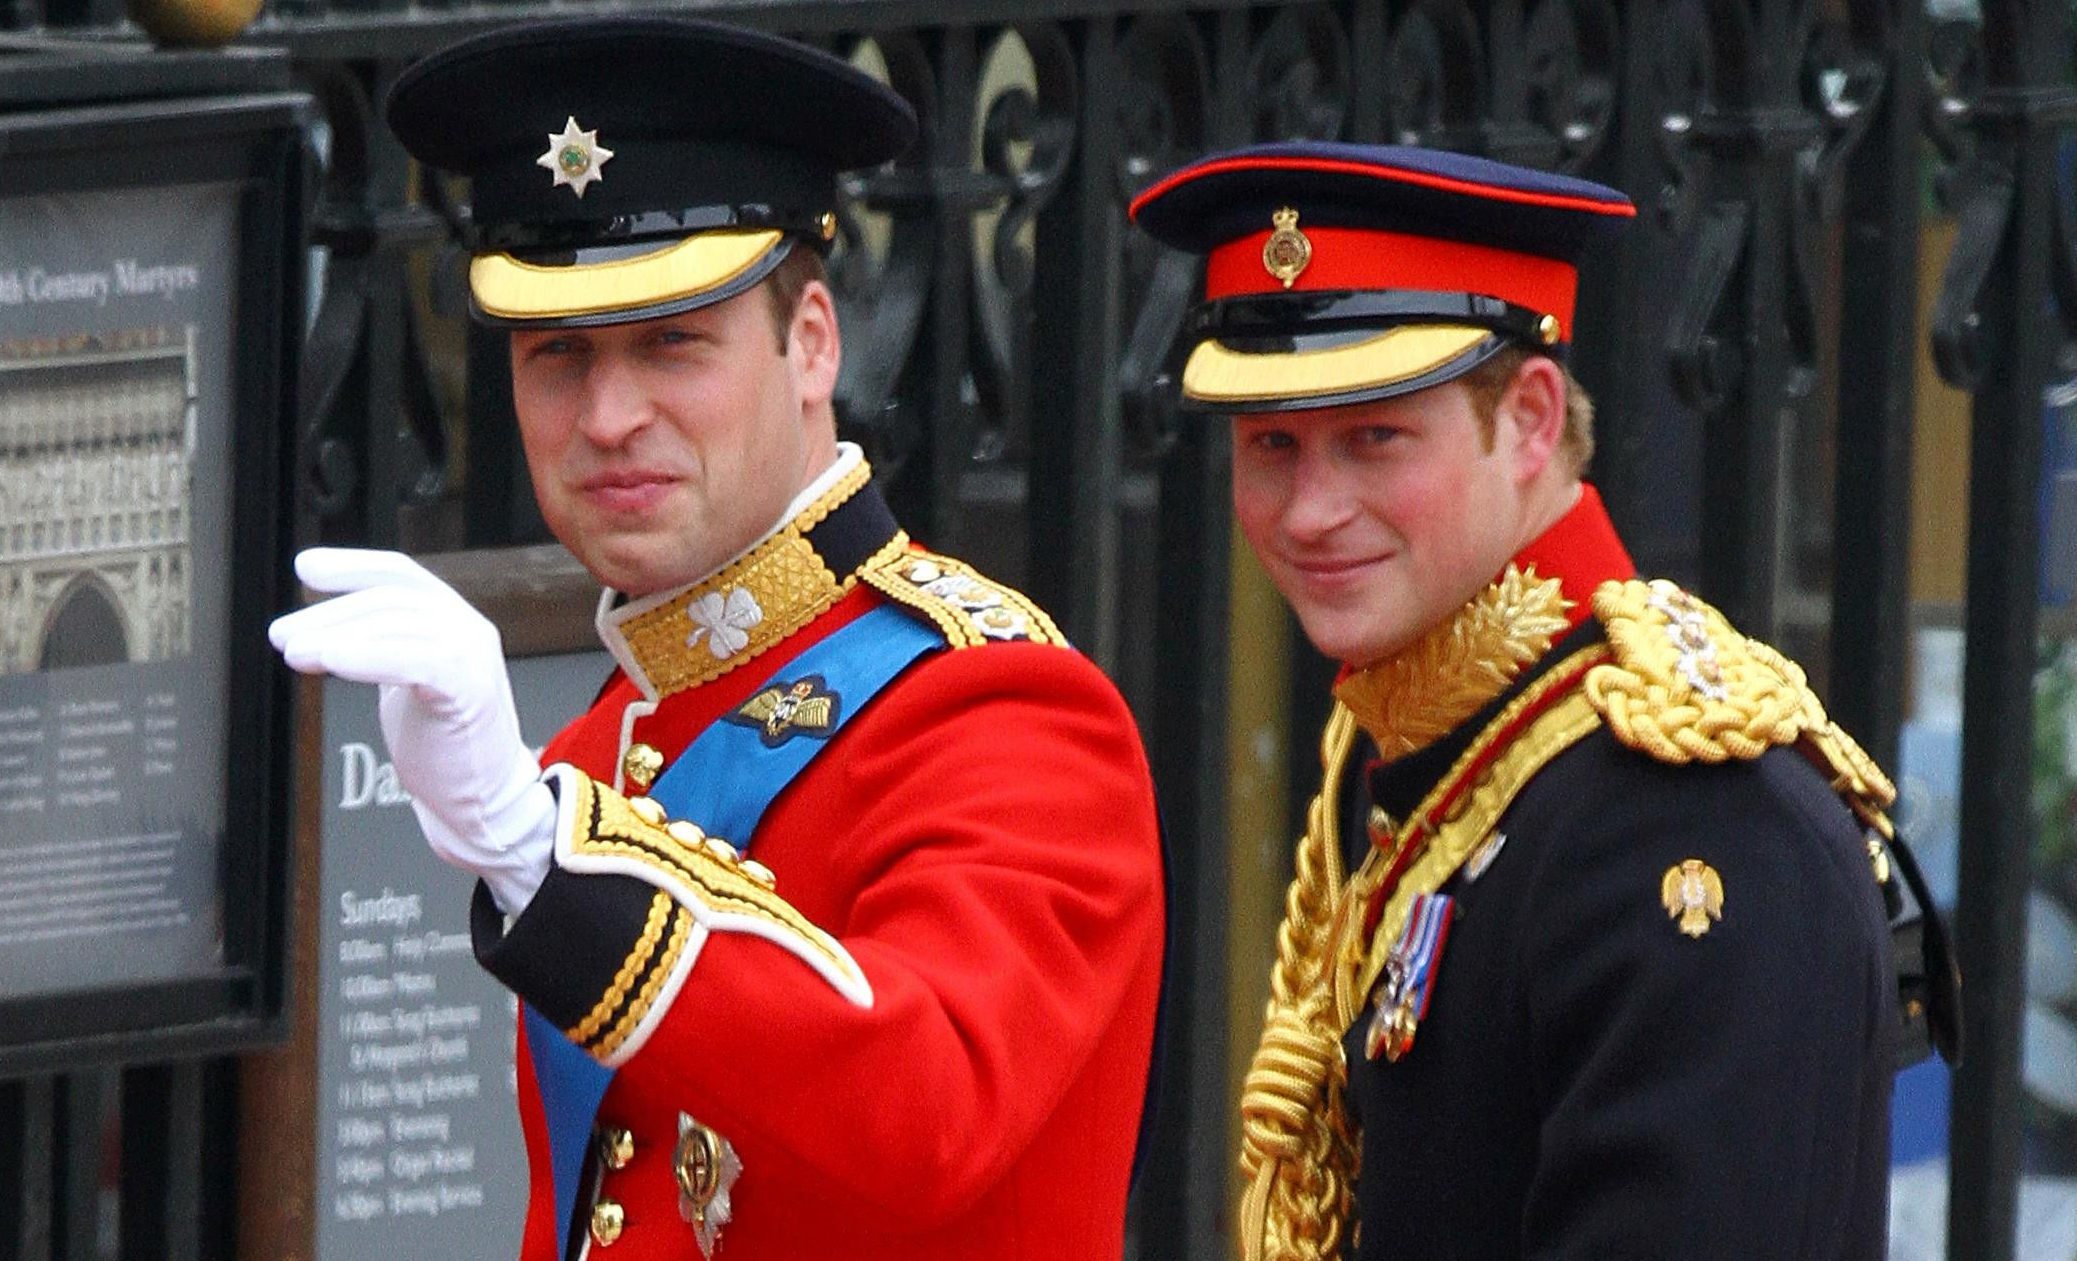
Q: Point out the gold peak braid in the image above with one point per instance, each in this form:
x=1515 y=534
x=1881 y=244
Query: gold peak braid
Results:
x=1298 y=1154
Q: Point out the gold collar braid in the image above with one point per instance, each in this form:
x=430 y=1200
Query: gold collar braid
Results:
x=699 y=633
x=1411 y=699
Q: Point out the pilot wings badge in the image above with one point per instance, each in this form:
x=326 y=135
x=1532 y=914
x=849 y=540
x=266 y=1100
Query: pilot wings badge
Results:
x=1692 y=893
x=804 y=707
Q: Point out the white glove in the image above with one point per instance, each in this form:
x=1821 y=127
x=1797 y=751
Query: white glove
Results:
x=446 y=707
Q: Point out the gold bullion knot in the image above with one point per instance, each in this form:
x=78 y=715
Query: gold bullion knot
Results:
x=1408 y=701
x=804 y=707
x=1692 y=893
x=1298 y=1157
x=640 y=765
x=608 y=1220
x=1288 y=251
x=706 y=1167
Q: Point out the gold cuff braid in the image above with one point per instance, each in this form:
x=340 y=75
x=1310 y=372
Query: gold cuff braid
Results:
x=1298 y=1152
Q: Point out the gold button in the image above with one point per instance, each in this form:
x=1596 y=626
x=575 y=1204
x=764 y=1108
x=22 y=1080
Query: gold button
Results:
x=1547 y=329
x=647 y=810
x=721 y=850
x=828 y=225
x=685 y=833
x=616 y=1147
x=640 y=764
x=760 y=873
x=608 y=1219
x=1878 y=858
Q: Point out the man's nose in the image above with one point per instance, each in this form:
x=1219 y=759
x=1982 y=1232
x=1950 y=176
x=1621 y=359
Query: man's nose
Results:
x=616 y=404
x=1322 y=498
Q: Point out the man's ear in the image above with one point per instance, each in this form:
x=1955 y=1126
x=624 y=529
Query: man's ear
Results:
x=1529 y=422
x=814 y=344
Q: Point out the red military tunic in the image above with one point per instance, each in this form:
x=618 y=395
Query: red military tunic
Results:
x=980 y=840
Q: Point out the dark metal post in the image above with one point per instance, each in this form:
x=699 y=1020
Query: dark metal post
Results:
x=948 y=448
x=1077 y=415
x=27 y=1165
x=1871 y=578
x=1756 y=136
x=1995 y=330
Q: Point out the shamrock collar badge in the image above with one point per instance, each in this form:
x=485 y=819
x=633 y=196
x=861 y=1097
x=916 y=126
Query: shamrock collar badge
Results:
x=724 y=620
x=574 y=157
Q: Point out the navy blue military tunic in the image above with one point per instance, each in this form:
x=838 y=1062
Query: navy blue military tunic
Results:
x=1588 y=1082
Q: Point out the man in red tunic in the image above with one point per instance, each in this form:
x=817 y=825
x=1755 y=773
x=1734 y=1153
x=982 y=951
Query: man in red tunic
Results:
x=837 y=920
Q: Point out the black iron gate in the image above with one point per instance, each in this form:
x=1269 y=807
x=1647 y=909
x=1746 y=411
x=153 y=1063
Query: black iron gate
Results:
x=1750 y=344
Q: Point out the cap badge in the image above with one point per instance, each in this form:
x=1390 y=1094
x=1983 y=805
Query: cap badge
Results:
x=574 y=157
x=1692 y=893
x=1287 y=252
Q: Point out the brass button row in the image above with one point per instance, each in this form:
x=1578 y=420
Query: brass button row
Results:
x=642 y=758
x=616 y=1151
x=608 y=1220
x=616 y=1147
x=640 y=765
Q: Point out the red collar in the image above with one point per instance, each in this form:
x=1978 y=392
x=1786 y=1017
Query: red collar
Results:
x=1581 y=551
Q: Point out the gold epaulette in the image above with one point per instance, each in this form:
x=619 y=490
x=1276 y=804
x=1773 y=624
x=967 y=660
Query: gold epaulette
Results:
x=703 y=887
x=971 y=610
x=1684 y=686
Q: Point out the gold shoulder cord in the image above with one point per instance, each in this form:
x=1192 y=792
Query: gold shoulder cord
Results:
x=1686 y=687
x=1297 y=1155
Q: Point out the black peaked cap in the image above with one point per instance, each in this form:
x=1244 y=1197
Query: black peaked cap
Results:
x=696 y=114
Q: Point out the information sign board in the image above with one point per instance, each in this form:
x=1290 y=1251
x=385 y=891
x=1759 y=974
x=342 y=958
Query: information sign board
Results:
x=418 y=1132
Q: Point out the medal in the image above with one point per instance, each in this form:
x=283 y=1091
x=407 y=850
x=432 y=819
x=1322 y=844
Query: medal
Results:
x=1402 y=997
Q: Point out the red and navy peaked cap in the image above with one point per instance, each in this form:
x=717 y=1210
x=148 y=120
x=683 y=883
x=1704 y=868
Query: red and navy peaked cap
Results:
x=623 y=168
x=1339 y=273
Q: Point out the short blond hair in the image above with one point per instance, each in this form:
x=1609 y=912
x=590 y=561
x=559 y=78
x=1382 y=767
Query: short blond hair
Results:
x=1489 y=381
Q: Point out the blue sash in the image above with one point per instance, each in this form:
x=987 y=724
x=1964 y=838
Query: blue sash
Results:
x=724 y=782
x=571 y=1083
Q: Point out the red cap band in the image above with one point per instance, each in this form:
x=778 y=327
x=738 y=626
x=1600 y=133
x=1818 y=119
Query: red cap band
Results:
x=1367 y=258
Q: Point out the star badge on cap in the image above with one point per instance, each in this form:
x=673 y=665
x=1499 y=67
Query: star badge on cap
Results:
x=574 y=157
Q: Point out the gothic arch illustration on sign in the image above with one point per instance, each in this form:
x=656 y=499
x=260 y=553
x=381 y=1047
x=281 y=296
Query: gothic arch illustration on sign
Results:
x=96 y=492
x=84 y=628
